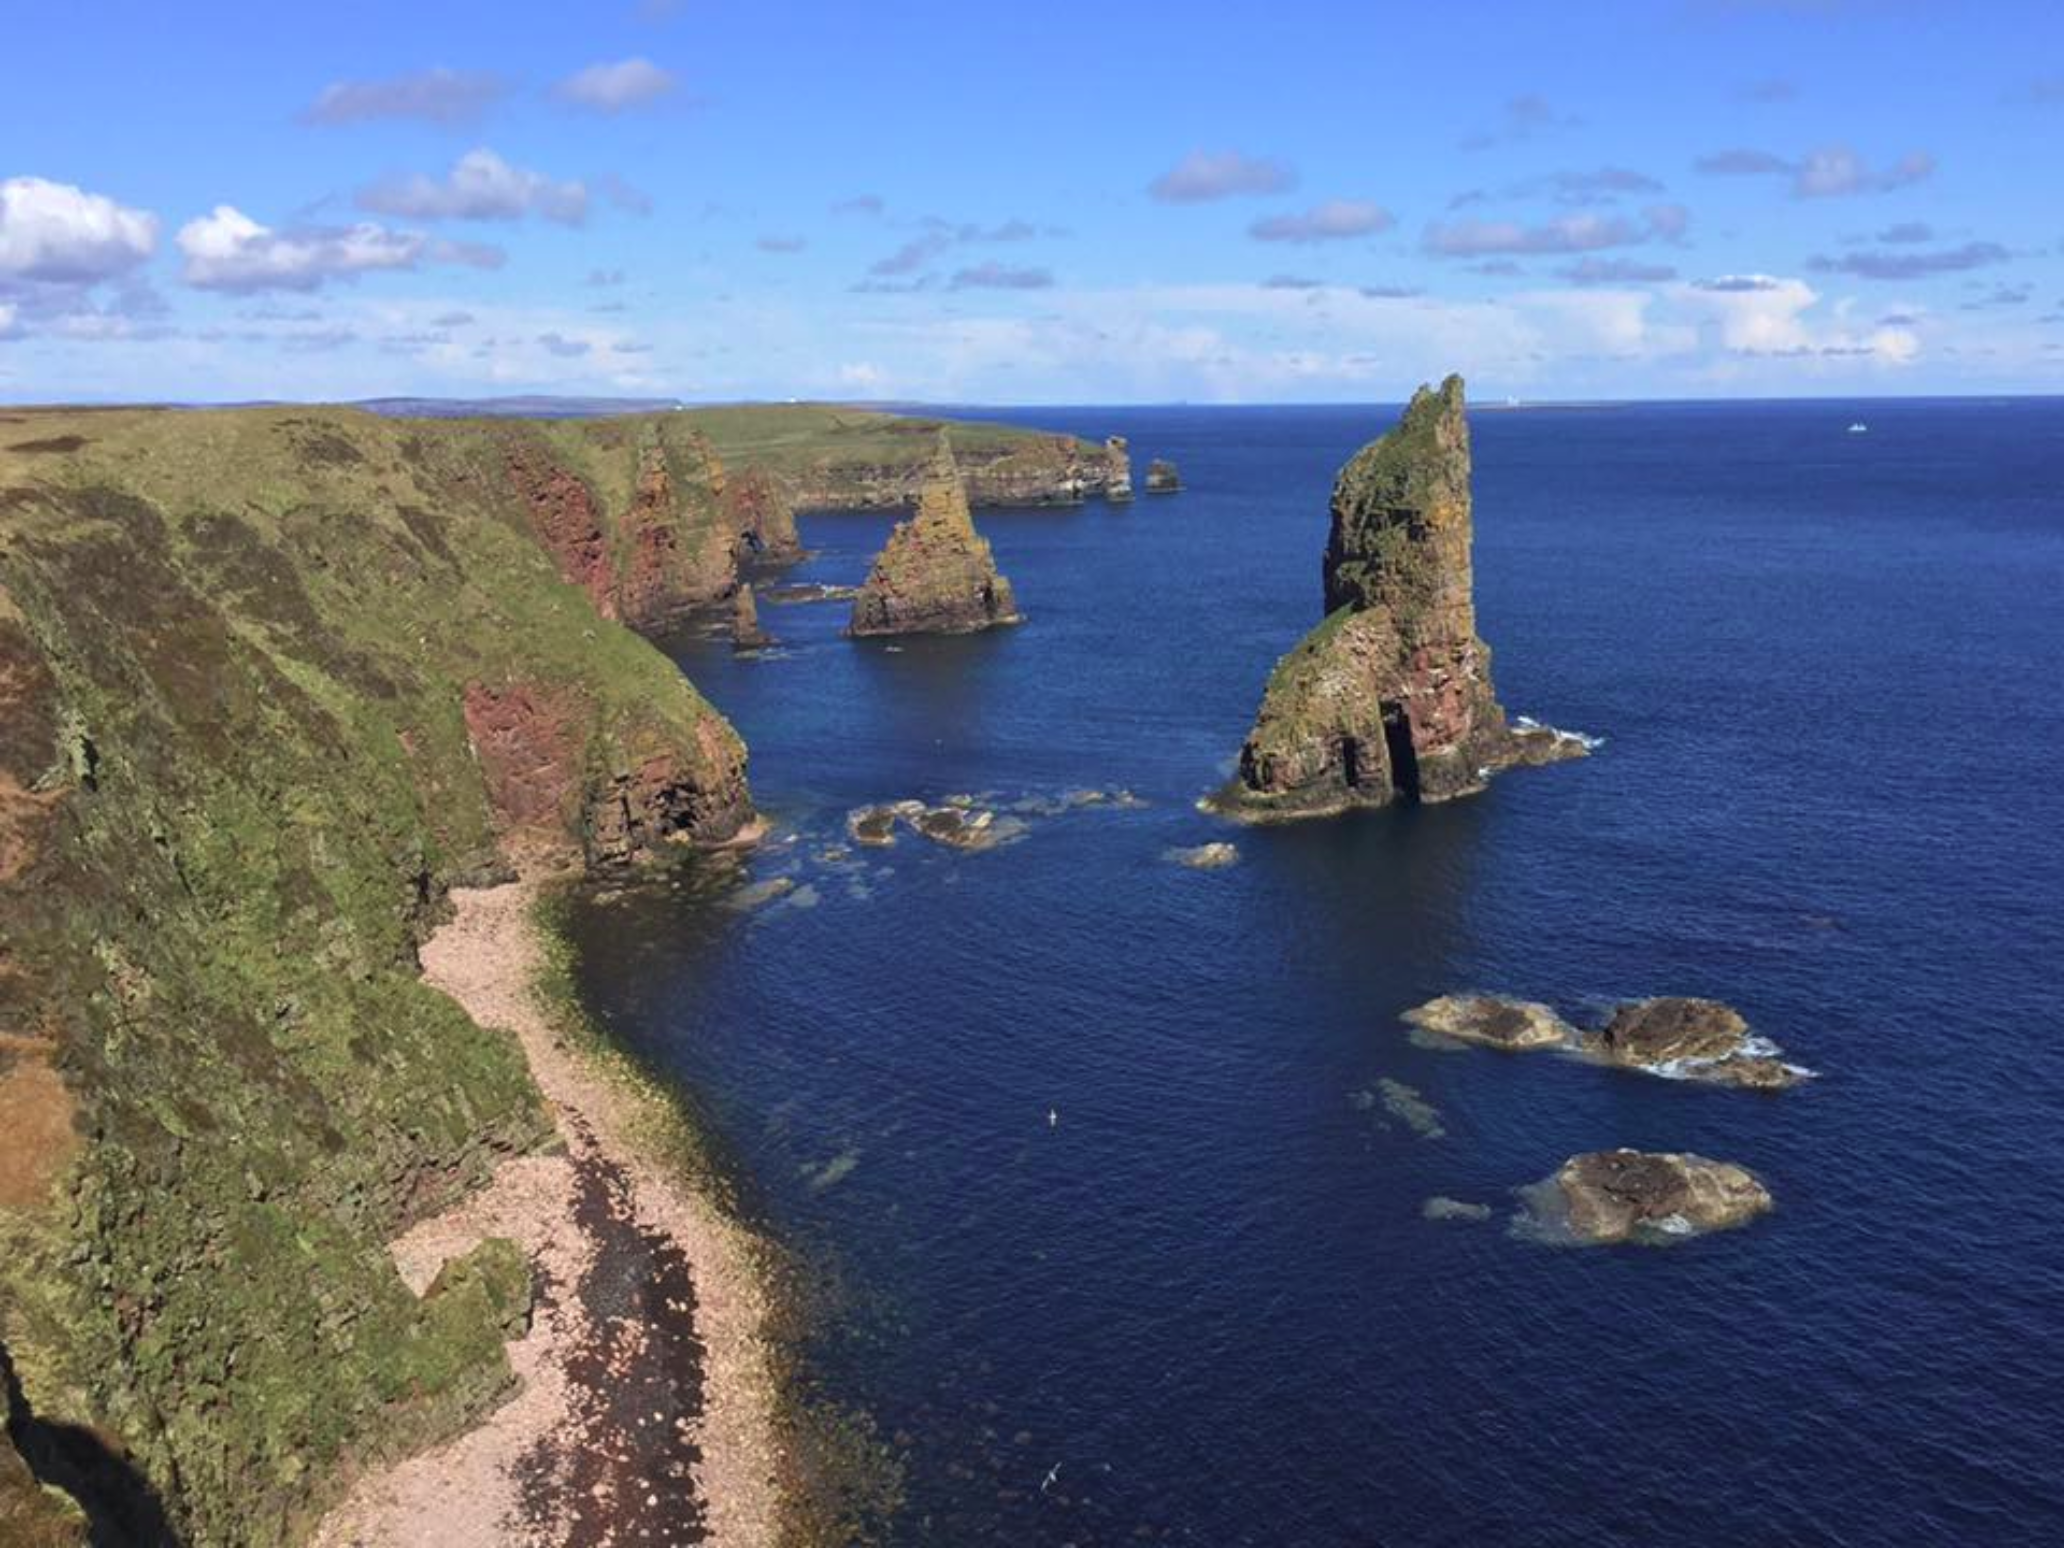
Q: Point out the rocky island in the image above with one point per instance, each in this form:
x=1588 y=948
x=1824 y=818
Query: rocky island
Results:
x=1672 y=1035
x=935 y=575
x=1390 y=697
x=1162 y=477
x=1612 y=1196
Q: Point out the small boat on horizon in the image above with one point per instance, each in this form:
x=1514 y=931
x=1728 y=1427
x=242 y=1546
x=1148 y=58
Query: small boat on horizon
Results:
x=1859 y=428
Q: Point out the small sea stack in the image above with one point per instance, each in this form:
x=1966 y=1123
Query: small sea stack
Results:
x=1162 y=477
x=935 y=575
x=1118 y=471
x=746 y=633
x=1390 y=697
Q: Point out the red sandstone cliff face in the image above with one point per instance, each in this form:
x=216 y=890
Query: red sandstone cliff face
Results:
x=566 y=519
x=757 y=509
x=555 y=776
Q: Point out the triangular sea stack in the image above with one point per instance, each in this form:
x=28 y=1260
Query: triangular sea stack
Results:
x=935 y=575
x=1390 y=696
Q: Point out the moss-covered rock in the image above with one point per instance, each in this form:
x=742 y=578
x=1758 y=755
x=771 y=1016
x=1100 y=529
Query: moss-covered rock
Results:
x=1390 y=697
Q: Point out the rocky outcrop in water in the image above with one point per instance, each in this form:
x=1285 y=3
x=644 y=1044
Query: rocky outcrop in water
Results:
x=1610 y=1196
x=1513 y=1025
x=936 y=574
x=1693 y=1039
x=1682 y=1039
x=1390 y=697
x=746 y=633
x=1162 y=477
x=1118 y=470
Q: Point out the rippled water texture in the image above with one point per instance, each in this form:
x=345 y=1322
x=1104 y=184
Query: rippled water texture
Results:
x=1125 y=1163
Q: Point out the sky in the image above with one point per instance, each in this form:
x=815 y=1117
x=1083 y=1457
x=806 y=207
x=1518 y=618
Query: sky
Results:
x=713 y=200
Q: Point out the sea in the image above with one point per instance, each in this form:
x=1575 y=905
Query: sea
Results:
x=1114 y=1172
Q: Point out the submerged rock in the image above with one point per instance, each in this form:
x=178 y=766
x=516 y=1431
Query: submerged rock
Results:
x=1514 y=1025
x=746 y=633
x=1611 y=1196
x=809 y=591
x=1390 y=696
x=1162 y=477
x=1410 y=1107
x=936 y=574
x=1442 y=1208
x=1205 y=857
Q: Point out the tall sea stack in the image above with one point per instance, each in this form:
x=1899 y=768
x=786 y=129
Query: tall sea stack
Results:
x=1390 y=696
x=936 y=574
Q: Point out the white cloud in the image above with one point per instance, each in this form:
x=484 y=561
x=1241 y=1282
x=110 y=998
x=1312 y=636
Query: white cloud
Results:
x=54 y=233
x=1831 y=171
x=1764 y=314
x=480 y=186
x=227 y=250
x=1333 y=221
x=1206 y=175
x=613 y=87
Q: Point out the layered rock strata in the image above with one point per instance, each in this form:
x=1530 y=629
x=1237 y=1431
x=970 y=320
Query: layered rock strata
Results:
x=1390 y=696
x=936 y=574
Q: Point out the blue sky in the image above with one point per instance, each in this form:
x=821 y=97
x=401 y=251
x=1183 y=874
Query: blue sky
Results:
x=1022 y=204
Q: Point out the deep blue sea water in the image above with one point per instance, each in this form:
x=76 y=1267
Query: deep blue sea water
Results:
x=1204 y=1306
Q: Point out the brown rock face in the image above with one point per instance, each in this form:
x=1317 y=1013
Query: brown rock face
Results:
x=553 y=774
x=746 y=633
x=673 y=560
x=1391 y=695
x=566 y=519
x=756 y=507
x=1118 y=478
x=936 y=574
x=1162 y=477
x=1621 y=1195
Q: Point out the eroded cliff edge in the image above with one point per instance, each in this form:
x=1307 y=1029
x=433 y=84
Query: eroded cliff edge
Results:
x=1390 y=697
x=271 y=681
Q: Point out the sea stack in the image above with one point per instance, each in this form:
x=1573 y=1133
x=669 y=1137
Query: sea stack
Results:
x=1118 y=470
x=935 y=575
x=746 y=633
x=1390 y=696
x=1162 y=477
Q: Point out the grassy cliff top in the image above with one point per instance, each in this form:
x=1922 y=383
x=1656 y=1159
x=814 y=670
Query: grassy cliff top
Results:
x=787 y=436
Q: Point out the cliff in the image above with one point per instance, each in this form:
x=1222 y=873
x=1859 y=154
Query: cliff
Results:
x=830 y=458
x=1390 y=696
x=639 y=512
x=271 y=681
x=936 y=574
x=1117 y=470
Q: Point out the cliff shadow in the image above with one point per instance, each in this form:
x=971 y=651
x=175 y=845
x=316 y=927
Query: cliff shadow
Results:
x=122 y=1508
